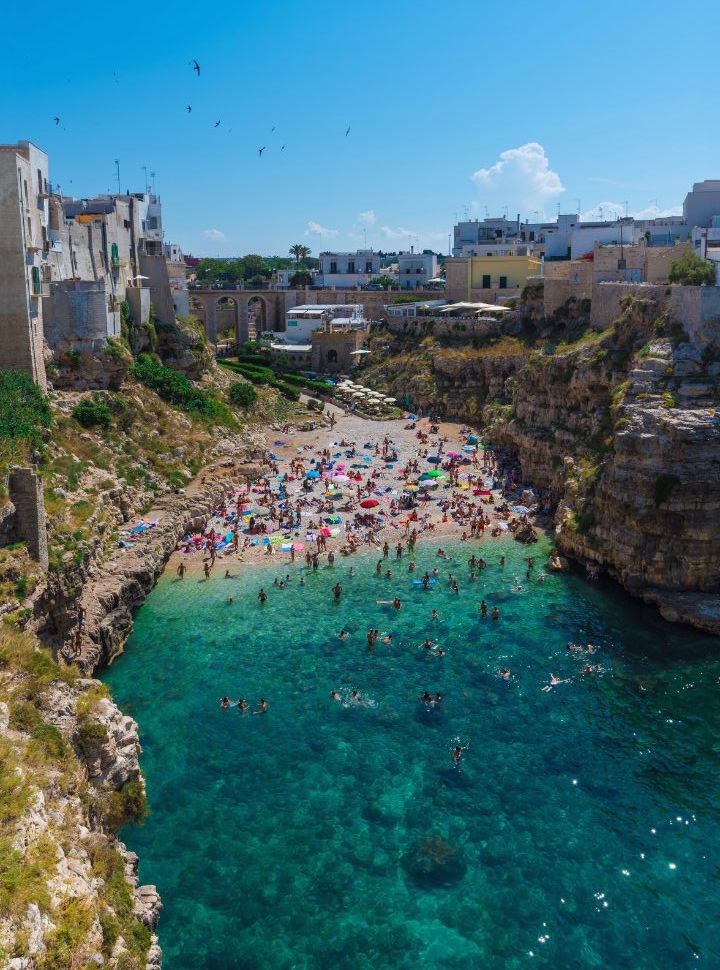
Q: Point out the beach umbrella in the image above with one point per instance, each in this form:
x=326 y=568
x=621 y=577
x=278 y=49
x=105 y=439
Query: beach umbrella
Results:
x=454 y=454
x=389 y=400
x=333 y=519
x=312 y=474
x=426 y=476
x=341 y=478
x=434 y=459
x=435 y=473
x=298 y=546
x=472 y=439
x=369 y=503
x=411 y=488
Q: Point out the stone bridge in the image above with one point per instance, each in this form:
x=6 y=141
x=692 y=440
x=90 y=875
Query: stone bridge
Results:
x=258 y=310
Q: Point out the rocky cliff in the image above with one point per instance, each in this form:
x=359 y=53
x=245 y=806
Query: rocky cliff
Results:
x=621 y=425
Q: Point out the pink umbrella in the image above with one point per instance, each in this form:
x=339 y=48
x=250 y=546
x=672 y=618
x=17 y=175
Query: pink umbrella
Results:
x=298 y=546
x=340 y=478
x=454 y=454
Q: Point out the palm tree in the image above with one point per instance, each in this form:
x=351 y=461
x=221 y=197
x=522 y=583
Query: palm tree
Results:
x=300 y=252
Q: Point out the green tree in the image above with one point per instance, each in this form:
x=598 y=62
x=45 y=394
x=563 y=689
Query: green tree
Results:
x=300 y=252
x=385 y=281
x=692 y=270
x=254 y=265
x=301 y=278
x=242 y=394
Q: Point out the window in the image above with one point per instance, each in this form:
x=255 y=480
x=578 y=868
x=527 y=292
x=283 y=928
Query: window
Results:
x=36 y=289
x=368 y=266
x=114 y=255
x=332 y=356
x=486 y=281
x=333 y=267
x=503 y=282
x=351 y=266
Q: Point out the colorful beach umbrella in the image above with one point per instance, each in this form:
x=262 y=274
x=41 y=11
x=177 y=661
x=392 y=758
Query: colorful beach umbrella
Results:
x=369 y=503
x=434 y=459
x=312 y=474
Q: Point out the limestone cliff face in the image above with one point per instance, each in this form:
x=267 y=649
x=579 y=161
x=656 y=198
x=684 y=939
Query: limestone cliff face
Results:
x=622 y=426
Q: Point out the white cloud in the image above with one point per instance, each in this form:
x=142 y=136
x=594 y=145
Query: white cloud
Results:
x=213 y=234
x=367 y=218
x=399 y=233
x=315 y=229
x=521 y=178
x=614 y=210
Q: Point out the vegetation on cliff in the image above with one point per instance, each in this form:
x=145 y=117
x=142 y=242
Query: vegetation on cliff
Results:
x=64 y=895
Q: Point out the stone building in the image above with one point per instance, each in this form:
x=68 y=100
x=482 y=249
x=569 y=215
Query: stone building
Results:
x=335 y=345
x=24 y=250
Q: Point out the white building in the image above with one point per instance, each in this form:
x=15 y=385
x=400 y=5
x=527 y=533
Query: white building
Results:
x=344 y=271
x=416 y=269
x=302 y=321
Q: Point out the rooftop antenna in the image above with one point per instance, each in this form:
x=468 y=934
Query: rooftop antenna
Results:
x=117 y=172
x=578 y=206
x=505 y=211
x=144 y=169
x=153 y=176
x=625 y=203
x=467 y=213
x=558 y=208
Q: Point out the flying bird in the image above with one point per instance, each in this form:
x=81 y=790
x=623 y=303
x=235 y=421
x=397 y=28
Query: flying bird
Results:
x=348 y=131
x=260 y=151
x=282 y=148
x=56 y=120
x=217 y=124
x=188 y=108
x=196 y=68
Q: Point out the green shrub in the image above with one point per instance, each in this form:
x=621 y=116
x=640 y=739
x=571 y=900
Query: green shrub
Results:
x=127 y=804
x=92 y=412
x=24 y=409
x=24 y=717
x=175 y=388
x=90 y=737
x=692 y=270
x=242 y=395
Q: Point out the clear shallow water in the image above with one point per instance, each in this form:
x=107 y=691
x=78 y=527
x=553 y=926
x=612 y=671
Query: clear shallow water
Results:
x=582 y=827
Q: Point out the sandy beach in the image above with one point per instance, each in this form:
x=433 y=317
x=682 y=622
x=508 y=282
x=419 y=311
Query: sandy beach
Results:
x=446 y=513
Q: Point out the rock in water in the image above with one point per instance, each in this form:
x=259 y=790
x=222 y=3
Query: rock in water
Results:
x=433 y=861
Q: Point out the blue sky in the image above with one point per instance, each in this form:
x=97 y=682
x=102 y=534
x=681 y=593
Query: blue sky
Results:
x=453 y=107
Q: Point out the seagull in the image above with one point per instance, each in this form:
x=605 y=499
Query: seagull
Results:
x=188 y=108
x=56 y=120
x=348 y=131
x=196 y=68
x=217 y=124
x=260 y=151
x=282 y=148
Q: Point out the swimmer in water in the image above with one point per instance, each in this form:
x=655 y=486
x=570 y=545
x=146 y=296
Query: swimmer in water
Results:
x=302 y=580
x=387 y=638
x=495 y=613
x=334 y=696
x=262 y=596
x=457 y=753
x=504 y=673
x=263 y=707
x=229 y=600
x=434 y=615
x=438 y=699
x=397 y=604
x=242 y=705
x=554 y=681
x=337 y=591
x=225 y=702
x=484 y=608
x=343 y=635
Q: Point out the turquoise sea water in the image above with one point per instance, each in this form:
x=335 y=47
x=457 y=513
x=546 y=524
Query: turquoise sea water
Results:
x=581 y=829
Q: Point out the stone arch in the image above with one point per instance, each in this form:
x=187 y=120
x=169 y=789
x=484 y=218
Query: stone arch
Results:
x=332 y=356
x=226 y=320
x=257 y=313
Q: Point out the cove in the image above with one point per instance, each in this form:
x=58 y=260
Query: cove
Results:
x=581 y=829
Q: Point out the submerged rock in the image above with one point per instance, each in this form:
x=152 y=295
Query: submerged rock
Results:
x=433 y=861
